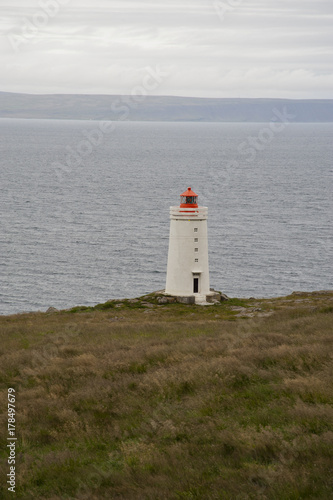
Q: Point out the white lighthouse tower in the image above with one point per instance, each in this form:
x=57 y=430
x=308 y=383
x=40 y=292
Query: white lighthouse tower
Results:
x=188 y=269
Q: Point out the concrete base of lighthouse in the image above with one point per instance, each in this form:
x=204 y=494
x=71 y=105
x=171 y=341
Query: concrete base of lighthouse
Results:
x=208 y=299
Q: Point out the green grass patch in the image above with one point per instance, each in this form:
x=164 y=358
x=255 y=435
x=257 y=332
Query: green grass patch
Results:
x=185 y=402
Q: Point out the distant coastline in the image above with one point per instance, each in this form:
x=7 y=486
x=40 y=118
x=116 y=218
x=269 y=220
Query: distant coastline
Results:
x=162 y=108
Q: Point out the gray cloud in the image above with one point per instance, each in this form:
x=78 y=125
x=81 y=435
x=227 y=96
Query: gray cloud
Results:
x=250 y=48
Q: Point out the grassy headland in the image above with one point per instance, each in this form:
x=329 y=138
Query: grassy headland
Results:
x=139 y=400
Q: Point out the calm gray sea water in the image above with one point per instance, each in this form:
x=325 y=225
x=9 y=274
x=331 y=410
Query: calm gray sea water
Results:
x=81 y=223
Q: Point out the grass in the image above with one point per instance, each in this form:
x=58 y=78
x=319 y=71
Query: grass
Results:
x=141 y=400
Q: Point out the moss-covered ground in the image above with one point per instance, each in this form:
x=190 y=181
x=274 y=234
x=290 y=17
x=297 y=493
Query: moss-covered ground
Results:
x=134 y=399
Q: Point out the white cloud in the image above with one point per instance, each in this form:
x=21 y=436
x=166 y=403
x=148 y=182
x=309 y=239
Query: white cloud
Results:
x=258 y=48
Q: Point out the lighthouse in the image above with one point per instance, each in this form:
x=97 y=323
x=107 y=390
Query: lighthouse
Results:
x=188 y=268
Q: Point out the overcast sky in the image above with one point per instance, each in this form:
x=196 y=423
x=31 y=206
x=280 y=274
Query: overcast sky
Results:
x=203 y=48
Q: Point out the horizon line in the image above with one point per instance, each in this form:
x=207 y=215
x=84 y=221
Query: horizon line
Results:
x=170 y=95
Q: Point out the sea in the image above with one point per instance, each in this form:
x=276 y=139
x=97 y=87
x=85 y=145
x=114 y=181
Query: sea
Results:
x=85 y=207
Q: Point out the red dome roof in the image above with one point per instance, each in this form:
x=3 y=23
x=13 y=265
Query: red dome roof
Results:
x=189 y=192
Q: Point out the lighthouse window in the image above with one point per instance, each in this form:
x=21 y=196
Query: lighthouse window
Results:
x=195 y=239
x=188 y=200
x=195 y=229
x=196 y=260
x=196 y=249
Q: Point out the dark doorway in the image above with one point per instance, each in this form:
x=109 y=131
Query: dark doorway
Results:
x=195 y=285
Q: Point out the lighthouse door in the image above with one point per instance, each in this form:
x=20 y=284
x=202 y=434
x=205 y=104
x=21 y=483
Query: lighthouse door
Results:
x=195 y=285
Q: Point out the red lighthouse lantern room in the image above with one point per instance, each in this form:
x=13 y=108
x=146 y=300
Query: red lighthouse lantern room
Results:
x=188 y=199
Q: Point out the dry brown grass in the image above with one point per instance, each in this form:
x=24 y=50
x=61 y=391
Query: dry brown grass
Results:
x=181 y=402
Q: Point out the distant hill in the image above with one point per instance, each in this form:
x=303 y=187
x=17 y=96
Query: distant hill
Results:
x=160 y=108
